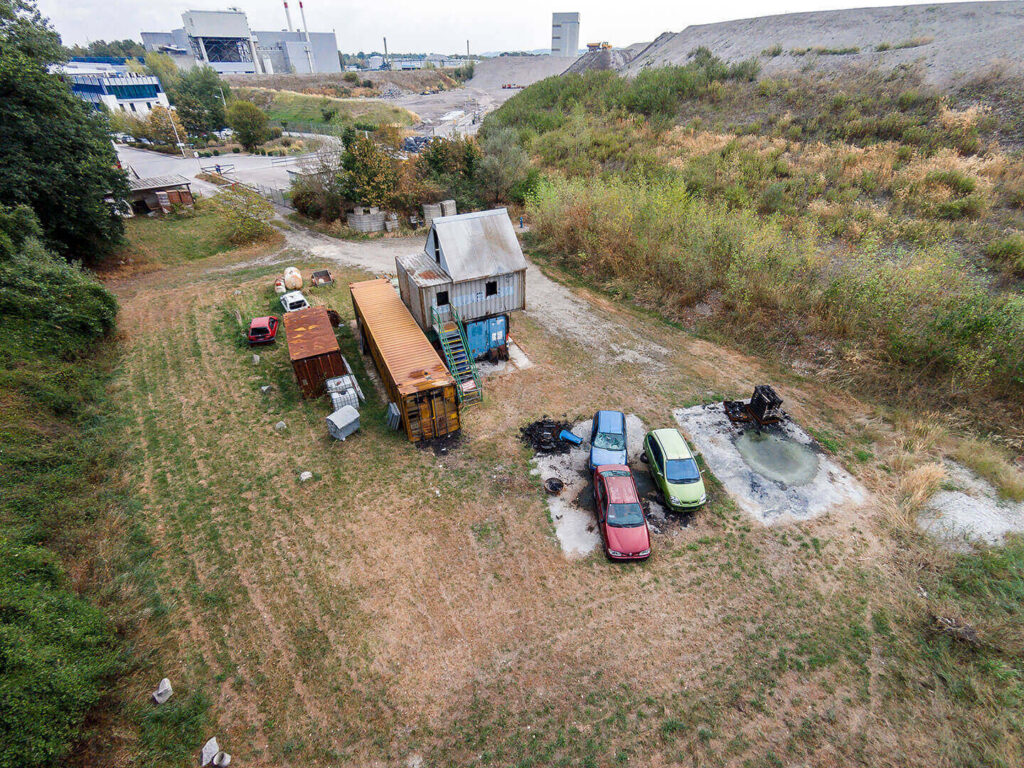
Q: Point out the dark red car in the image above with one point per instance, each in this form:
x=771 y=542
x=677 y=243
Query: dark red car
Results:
x=620 y=517
x=262 y=330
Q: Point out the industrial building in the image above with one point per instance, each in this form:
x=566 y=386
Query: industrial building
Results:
x=106 y=82
x=224 y=41
x=565 y=35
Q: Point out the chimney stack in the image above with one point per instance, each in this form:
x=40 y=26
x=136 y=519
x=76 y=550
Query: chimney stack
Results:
x=288 y=15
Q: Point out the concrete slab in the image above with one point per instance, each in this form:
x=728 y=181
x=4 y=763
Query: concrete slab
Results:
x=767 y=500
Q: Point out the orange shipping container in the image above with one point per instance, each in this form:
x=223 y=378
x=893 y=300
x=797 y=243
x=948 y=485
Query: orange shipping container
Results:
x=313 y=349
x=416 y=379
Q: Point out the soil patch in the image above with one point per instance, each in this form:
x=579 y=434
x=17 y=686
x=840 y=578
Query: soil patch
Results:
x=969 y=511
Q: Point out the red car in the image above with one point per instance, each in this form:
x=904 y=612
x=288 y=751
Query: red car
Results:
x=262 y=330
x=619 y=514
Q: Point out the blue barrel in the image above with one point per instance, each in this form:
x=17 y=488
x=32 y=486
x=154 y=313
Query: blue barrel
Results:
x=570 y=437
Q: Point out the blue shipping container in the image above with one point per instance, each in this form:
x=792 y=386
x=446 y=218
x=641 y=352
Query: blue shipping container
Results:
x=487 y=334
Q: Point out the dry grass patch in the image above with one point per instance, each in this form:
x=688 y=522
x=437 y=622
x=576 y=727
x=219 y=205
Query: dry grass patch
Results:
x=990 y=462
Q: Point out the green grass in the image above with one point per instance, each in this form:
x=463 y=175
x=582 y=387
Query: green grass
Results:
x=294 y=109
x=177 y=238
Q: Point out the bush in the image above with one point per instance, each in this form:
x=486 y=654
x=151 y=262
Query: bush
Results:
x=235 y=150
x=672 y=249
x=246 y=215
x=1008 y=251
x=56 y=652
x=216 y=152
x=350 y=77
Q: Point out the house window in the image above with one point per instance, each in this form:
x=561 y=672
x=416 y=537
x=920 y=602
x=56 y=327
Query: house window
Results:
x=437 y=251
x=491 y=288
x=442 y=298
x=132 y=105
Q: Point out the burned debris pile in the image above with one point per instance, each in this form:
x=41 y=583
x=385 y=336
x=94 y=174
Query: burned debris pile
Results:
x=542 y=435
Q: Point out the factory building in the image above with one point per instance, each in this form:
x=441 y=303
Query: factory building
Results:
x=106 y=82
x=224 y=41
x=565 y=35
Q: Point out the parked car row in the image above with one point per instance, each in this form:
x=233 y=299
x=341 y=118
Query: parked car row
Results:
x=620 y=515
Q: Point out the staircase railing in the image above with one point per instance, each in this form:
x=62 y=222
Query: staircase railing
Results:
x=450 y=354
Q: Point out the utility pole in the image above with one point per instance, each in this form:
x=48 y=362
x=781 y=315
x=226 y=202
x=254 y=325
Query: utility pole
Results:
x=386 y=65
x=177 y=139
x=467 y=49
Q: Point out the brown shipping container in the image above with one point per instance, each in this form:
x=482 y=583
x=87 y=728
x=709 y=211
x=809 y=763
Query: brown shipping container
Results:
x=313 y=349
x=415 y=377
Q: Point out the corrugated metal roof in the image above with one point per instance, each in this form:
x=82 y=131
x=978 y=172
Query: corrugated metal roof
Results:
x=479 y=244
x=157 y=182
x=411 y=359
x=309 y=333
x=423 y=270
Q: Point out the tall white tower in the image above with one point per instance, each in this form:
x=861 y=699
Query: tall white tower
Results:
x=565 y=34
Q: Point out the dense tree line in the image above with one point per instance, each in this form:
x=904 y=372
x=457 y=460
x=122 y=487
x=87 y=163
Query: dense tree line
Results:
x=55 y=150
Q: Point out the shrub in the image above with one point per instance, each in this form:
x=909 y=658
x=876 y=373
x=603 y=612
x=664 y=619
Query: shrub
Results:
x=1008 y=251
x=56 y=651
x=235 y=150
x=246 y=215
x=773 y=51
x=350 y=77
x=957 y=181
x=216 y=152
x=970 y=207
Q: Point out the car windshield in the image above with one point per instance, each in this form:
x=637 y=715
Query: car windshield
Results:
x=259 y=331
x=682 y=471
x=609 y=441
x=625 y=515
x=298 y=304
x=616 y=473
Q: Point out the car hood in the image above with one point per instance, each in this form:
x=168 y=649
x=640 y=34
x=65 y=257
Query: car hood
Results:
x=688 y=493
x=628 y=540
x=599 y=457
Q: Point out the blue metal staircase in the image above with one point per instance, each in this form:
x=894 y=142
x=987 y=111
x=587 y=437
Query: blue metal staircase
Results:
x=452 y=335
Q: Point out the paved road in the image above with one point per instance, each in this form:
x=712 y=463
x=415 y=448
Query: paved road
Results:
x=250 y=169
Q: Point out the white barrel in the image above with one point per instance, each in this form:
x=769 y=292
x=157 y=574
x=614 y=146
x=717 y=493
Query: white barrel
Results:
x=279 y=286
x=292 y=279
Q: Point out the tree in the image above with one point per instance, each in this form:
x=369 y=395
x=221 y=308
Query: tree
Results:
x=249 y=123
x=55 y=150
x=162 y=66
x=370 y=176
x=115 y=48
x=162 y=124
x=205 y=93
x=504 y=165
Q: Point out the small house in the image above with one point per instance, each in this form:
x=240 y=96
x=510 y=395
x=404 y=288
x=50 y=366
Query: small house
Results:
x=472 y=271
x=313 y=349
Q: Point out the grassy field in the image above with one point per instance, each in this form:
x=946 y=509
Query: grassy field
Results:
x=293 y=109
x=405 y=604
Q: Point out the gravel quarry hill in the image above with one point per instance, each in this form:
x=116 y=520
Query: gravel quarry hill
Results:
x=952 y=41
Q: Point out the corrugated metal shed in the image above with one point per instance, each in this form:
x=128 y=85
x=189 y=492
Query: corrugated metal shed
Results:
x=423 y=270
x=158 y=182
x=475 y=245
x=309 y=333
x=411 y=360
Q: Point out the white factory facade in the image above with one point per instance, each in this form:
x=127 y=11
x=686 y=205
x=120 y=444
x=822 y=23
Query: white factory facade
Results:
x=565 y=34
x=224 y=41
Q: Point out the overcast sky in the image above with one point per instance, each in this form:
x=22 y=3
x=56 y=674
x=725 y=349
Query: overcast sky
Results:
x=431 y=26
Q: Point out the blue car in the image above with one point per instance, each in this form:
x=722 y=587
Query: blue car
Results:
x=608 y=439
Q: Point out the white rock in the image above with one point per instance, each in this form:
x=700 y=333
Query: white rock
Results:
x=255 y=359
x=266 y=388
x=280 y=426
x=221 y=759
x=305 y=476
x=210 y=750
x=163 y=691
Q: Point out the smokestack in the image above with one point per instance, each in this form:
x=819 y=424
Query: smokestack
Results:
x=305 y=26
x=386 y=54
x=288 y=15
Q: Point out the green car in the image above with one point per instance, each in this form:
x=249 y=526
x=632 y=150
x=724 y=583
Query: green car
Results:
x=674 y=469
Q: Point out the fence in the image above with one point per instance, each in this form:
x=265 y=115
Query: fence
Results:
x=272 y=194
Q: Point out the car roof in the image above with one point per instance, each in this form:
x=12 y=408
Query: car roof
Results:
x=673 y=443
x=293 y=295
x=621 y=490
x=265 y=320
x=607 y=420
